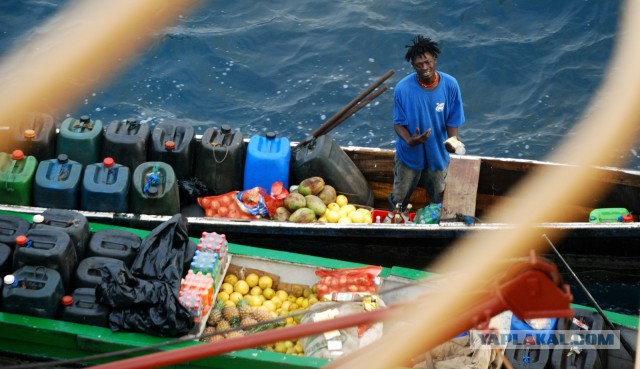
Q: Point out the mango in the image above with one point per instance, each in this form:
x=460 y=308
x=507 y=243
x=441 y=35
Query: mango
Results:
x=328 y=194
x=311 y=186
x=281 y=214
x=314 y=203
x=295 y=201
x=303 y=215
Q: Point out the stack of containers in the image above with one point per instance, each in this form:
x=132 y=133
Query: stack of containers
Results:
x=207 y=268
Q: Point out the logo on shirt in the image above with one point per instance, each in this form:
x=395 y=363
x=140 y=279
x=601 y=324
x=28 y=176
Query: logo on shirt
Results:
x=439 y=107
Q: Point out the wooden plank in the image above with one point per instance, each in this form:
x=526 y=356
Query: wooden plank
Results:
x=461 y=188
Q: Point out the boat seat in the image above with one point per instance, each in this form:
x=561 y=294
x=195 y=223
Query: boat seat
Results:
x=461 y=188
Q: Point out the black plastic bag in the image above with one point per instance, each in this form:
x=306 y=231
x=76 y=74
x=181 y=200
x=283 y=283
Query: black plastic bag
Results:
x=145 y=298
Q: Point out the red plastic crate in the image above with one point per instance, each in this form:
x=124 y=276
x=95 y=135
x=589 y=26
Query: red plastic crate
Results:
x=383 y=213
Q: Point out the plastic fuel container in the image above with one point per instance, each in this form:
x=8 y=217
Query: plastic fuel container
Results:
x=267 y=162
x=57 y=183
x=220 y=159
x=105 y=187
x=81 y=139
x=16 y=177
x=174 y=144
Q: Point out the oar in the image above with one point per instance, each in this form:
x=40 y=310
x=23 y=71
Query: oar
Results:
x=624 y=343
x=342 y=114
x=355 y=108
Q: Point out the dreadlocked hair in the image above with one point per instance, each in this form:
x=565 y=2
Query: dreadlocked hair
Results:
x=420 y=46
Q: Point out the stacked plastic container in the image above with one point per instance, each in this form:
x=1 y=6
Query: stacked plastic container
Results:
x=207 y=268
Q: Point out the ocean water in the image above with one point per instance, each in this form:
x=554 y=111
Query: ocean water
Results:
x=527 y=70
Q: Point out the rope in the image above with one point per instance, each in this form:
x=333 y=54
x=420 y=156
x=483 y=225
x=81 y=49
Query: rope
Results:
x=226 y=152
x=152 y=180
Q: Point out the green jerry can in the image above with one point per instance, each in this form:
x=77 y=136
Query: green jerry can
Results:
x=16 y=176
x=610 y=215
x=80 y=139
x=154 y=190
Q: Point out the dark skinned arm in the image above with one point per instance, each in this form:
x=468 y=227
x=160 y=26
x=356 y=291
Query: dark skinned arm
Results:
x=412 y=140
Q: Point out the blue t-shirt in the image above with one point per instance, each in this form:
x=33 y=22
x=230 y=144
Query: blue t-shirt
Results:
x=414 y=107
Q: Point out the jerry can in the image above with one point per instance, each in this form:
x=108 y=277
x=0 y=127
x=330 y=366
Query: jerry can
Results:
x=105 y=187
x=154 y=190
x=36 y=136
x=174 y=144
x=267 y=161
x=126 y=142
x=324 y=158
x=220 y=160
x=81 y=139
x=16 y=177
x=57 y=183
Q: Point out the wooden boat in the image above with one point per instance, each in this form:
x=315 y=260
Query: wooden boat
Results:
x=475 y=186
x=34 y=338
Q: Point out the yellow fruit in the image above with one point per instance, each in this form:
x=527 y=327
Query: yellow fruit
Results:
x=255 y=290
x=269 y=305
x=226 y=287
x=348 y=208
x=298 y=347
x=333 y=206
x=252 y=279
x=265 y=282
x=357 y=217
x=254 y=301
x=306 y=292
x=229 y=303
x=312 y=300
x=297 y=290
x=279 y=347
x=235 y=297
x=322 y=220
x=285 y=305
x=342 y=200
x=333 y=216
x=276 y=301
x=231 y=279
x=305 y=303
x=282 y=294
x=294 y=306
x=222 y=295
x=345 y=219
x=268 y=293
x=241 y=287
x=289 y=320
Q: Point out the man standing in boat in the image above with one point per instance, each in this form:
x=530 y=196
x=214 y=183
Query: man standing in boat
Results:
x=427 y=112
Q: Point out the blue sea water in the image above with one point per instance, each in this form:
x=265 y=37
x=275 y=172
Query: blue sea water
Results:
x=527 y=69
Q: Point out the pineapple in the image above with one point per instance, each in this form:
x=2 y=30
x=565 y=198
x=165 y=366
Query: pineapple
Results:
x=208 y=334
x=235 y=334
x=244 y=309
x=232 y=314
x=216 y=313
x=261 y=315
x=223 y=325
x=247 y=321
